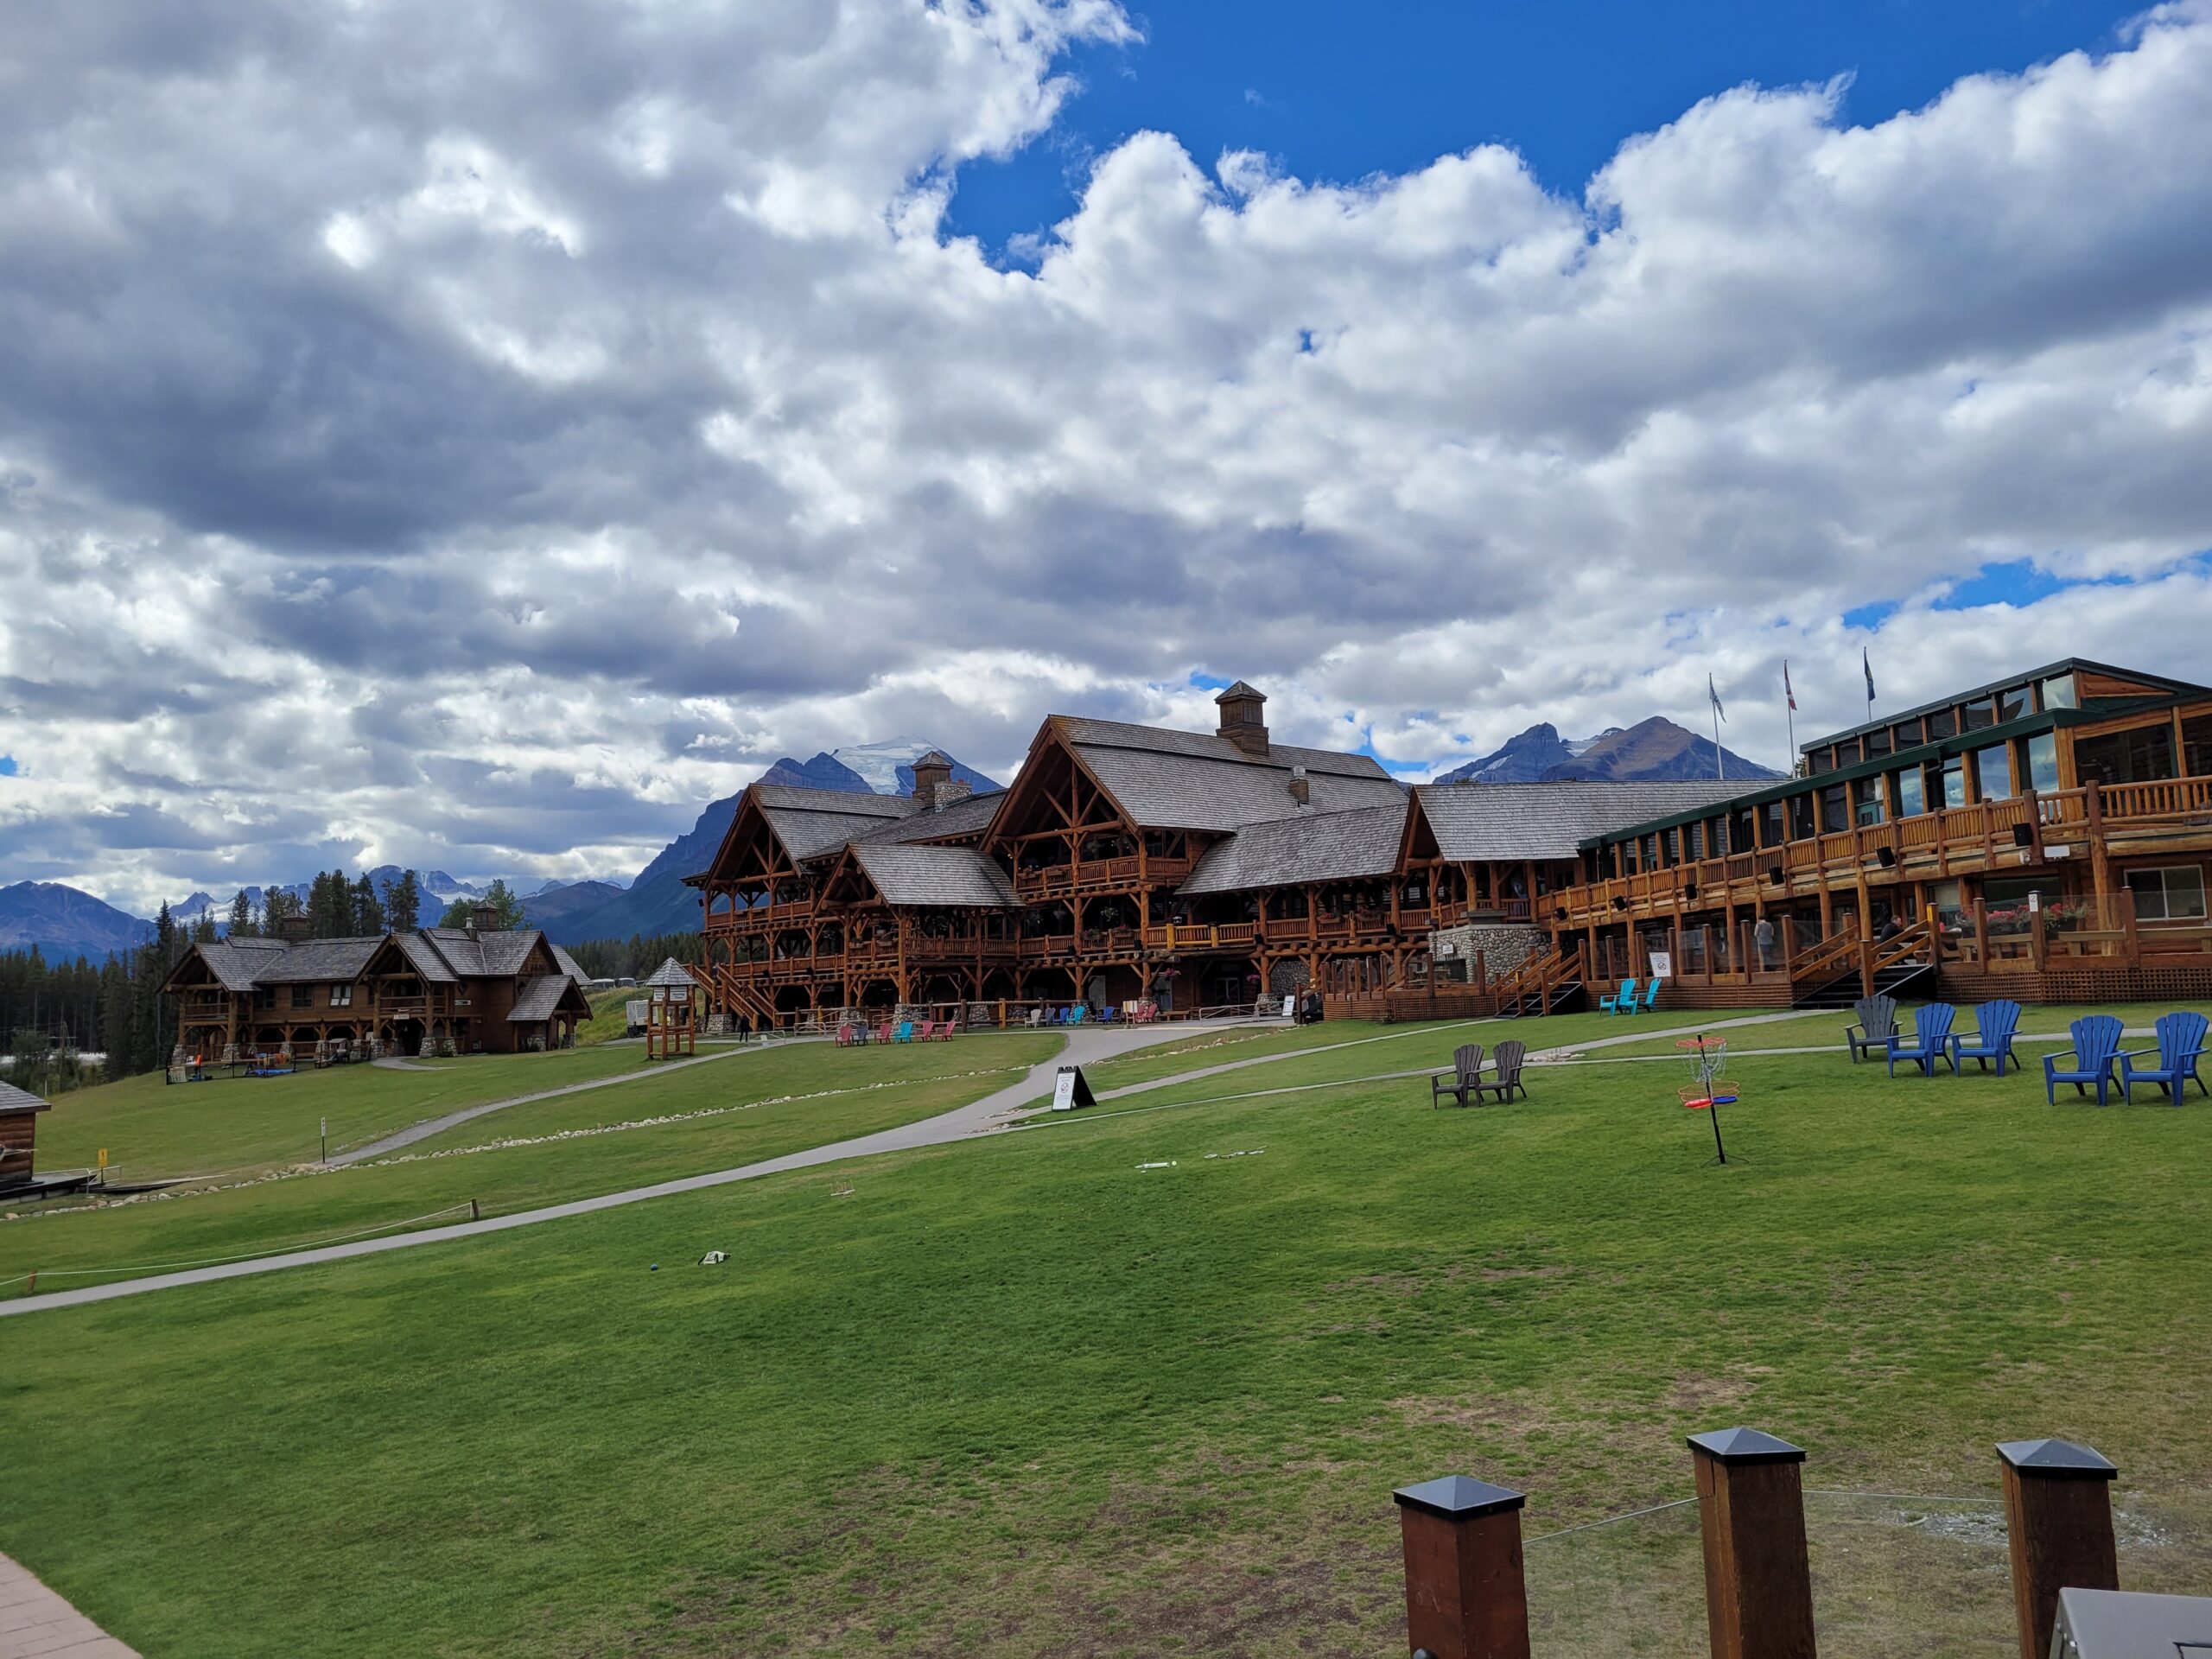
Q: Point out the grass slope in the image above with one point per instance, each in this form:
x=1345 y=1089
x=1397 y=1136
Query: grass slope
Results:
x=1024 y=1395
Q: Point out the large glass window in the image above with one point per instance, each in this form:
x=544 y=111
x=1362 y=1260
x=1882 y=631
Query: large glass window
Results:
x=2043 y=761
x=2058 y=692
x=1802 y=826
x=1911 y=799
x=2142 y=755
x=2012 y=704
x=1954 y=780
x=1835 y=811
x=2196 y=746
x=1770 y=823
x=1993 y=771
x=1866 y=801
x=1941 y=725
x=2168 y=895
x=1981 y=713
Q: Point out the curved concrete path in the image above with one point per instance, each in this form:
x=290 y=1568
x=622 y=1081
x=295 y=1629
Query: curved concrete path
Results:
x=996 y=1110
x=1082 y=1048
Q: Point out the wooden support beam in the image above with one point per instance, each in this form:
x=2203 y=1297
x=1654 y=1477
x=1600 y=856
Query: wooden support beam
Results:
x=1465 y=1594
x=1759 y=1583
x=2058 y=1519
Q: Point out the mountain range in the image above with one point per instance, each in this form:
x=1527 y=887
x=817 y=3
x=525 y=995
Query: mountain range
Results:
x=1653 y=750
x=64 y=922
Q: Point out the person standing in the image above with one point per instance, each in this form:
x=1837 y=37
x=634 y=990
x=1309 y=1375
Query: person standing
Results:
x=1763 y=938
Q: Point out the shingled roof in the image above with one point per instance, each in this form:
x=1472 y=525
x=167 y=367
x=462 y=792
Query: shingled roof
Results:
x=539 y=998
x=14 y=1101
x=812 y=821
x=1318 y=847
x=1551 y=820
x=906 y=874
x=969 y=816
x=1194 y=780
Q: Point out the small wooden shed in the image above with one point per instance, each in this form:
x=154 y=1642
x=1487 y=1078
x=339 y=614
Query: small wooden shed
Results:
x=19 y=1110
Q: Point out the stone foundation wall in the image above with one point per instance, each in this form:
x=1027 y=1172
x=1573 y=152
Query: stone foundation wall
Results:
x=1504 y=947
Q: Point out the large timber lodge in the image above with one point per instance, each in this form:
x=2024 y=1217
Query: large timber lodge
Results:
x=2047 y=836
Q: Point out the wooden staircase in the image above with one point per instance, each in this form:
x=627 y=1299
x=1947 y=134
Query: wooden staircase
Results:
x=1550 y=983
x=1834 y=974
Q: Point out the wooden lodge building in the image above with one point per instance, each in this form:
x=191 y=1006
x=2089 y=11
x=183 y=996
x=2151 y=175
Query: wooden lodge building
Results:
x=2048 y=836
x=1129 y=864
x=2045 y=836
x=440 y=990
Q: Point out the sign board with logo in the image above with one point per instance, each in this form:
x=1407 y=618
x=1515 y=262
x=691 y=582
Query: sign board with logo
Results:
x=1070 y=1090
x=1663 y=964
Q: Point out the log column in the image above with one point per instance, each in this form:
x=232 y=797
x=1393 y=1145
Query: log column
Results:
x=2058 y=1516
x=1465 y=1594
x=1758 y=1585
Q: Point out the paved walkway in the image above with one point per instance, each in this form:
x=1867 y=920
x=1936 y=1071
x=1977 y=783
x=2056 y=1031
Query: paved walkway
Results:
x=36 y=1624
x=428 y=1127
x=993 y=1111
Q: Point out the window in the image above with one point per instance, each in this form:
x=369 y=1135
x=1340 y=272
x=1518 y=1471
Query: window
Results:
x=1981 y=713
x=1878 y=743
x=1941 y=725
x=264 y=996
x=2012 y=704
x=1835 y=810
x=2196 y=746
x=1671 y=846
x=1954 y=780
x=2058 y=693
x=1992 y=769
x=2168 y=895
x=1911 y=799
x=2141 y=755
x=2043 y=761
x=1907 y=734
x=1693 y=841
x=1802 y=827
x=342 y=996
x=1770 y=823
x=1866 y=801
x=1741 y=834
x=303 y=996
x=1847 y=752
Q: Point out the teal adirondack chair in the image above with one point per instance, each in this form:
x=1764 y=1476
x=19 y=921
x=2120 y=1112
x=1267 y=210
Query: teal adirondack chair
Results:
x=1930 y=1041
x=906 y=1031
x=1651 y=994
x=2181 y=1045
x=1991 y=1039
x=1622 y=1002
x=2095 y=1050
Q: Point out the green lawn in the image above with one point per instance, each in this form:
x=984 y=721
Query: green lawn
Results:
x=1023 y=1396
x=152 y=1128
x=1827 y=1027
x=730 y=1111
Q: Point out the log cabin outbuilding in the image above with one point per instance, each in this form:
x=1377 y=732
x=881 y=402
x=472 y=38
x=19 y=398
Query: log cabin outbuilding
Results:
x=19 y=1110
x=436 y=990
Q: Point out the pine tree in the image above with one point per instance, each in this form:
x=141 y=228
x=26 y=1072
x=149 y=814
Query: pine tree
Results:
x=203 y=928
x=403 y=902
x=276 y=905
x=368 y=911
x=244 y=923
x=506 y=909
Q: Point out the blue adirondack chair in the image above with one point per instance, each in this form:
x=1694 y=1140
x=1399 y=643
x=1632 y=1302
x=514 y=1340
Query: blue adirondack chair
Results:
x=1930 y=1041
x=906 y=1031
x=1991 y=1039
x=1651 y=994
x=2181 y=1045
x=1077 y=1013
x=1622 y=1002
x=2096 y=1047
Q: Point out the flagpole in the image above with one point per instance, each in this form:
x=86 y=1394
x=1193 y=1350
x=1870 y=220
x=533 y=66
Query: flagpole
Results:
x=1720 y=760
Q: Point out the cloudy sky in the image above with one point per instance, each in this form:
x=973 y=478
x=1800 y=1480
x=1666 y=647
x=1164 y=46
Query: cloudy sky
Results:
x=475 y=435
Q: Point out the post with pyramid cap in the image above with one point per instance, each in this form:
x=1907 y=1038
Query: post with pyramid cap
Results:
x=1759 y=1581
x=2058 y=1514
x=1465 y=1596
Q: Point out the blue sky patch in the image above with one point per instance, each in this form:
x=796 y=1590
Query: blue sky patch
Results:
x=7 y=765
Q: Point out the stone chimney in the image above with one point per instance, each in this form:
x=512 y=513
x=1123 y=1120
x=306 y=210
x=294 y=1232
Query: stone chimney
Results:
x=948 y=793
x=293 y=929
x=1302 y=789
x=931 y=774
x=482 y=918
x=1243 y=721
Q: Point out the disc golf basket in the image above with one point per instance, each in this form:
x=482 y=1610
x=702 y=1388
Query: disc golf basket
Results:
x=1707 y=1090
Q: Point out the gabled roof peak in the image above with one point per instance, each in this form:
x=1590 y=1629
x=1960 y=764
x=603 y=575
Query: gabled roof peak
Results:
x=1241 y=688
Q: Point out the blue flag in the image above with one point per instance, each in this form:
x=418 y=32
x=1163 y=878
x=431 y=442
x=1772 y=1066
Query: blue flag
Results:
x=1715 y=698
x=1866 y=662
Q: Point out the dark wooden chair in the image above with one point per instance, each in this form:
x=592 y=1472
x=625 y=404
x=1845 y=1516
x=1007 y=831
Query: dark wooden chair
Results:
x=1877 y=1023
x=1466 y=1078
x=1507 y=1063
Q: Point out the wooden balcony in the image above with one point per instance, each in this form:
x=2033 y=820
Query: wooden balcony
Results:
x=1099 y=875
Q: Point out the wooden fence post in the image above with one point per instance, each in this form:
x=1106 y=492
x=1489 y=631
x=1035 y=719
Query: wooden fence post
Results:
x=1759 y=1583
x=1465 y=1597
x=2058 y=1514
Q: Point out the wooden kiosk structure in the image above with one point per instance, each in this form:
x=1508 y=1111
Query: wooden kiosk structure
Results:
x=671 y=1015
x=19 y=1110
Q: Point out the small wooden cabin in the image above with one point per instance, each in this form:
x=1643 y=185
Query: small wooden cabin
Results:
x=19 y=1110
